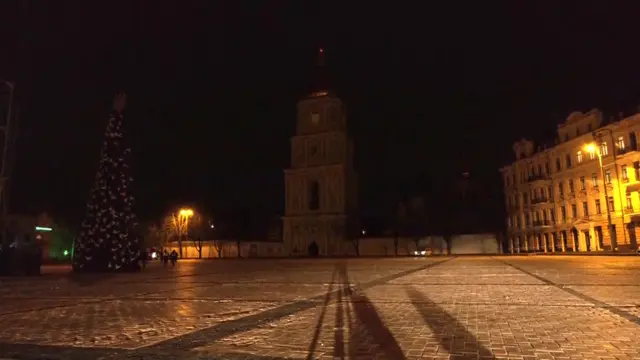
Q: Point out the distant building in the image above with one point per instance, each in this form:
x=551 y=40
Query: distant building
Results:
x=559 y=198
x=320 y=185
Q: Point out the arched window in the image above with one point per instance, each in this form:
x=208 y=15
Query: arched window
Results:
x=314 y=195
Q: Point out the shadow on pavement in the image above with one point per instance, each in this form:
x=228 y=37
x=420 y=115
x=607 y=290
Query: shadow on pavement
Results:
x=365 y=326
x=452 y=336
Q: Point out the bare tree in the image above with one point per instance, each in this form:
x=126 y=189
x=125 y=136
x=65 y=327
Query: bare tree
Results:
x=400 y=222
x=218 y=245
x=178 y=226
x=154 y=236
x=198 y=231
x=415 y=221
x=355 y=240
x=238 y=241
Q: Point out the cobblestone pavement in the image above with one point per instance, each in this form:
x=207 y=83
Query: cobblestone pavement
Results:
x=536 y=307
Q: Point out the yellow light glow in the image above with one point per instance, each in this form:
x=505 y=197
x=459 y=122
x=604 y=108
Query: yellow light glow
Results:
x=186 y=212
x=592 y=148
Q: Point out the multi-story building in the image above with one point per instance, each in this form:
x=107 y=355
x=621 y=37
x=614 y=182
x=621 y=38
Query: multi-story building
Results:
x=579 y=195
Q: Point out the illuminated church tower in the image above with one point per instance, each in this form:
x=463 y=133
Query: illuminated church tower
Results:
x=320 y=185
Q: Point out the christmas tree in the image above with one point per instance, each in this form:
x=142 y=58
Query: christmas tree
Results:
x=107 y=241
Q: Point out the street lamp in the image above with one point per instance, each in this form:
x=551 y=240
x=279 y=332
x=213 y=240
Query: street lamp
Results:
x=3 y=170
x=594 y=149
x=183 y=218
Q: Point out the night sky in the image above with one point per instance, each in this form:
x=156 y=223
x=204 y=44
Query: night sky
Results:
x=430 y=90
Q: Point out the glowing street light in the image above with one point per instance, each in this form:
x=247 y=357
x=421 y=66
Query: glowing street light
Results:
x=186 y=212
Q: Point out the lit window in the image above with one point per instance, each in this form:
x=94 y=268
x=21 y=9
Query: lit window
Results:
x=604 y=150
x=629 y=202
x=592 y=155
x=625 y=175
x=579 y=157
x=594 y=180
x=607 y=176
x=620 y=142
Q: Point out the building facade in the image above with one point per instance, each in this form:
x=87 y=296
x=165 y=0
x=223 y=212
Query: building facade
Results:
x=581 y=194
x=320 y=185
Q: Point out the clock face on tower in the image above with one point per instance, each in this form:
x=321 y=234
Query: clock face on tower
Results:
x=315 y=118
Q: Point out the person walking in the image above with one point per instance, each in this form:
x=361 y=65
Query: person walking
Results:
x=174 y=258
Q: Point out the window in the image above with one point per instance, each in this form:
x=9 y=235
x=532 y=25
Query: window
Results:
x=589 y=127
x=550 y=192
x=620 y=142
x=568 y=160
x=625 y=175
x=636 y=168
x=558 y=166
x=579 y=156
x=604 y=150
x=535 y=216
x=574 y=211
x=629 y=202
x=563 y=212
x=517 y=221
x=571 y=189
x=592 y=155
x=527 y=219
x=583 y=183
x=544 y=215
x=508 y=222
x=547 y=169
x=560 y=188
x=607 y=176
x=633 y=143
x=539 y=169
x=594 y=180
x=552 y=214
x=315 y=117
x=314 y=195
x=598 y=208
x=585 y=208
x=525 y=197
x=612 y=204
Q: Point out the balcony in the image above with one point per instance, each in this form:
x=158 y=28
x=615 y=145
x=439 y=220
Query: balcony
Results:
x=541 y=200
x=542 y=223
x=538 y=177
x=626 y=150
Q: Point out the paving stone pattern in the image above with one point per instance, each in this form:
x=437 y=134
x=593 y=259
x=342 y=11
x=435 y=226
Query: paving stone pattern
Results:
x=556 y=307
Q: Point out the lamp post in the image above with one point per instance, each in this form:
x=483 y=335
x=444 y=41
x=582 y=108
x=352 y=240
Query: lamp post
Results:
x=184 y=215
x=598 y=135
x=3 y=169
x=594 y=149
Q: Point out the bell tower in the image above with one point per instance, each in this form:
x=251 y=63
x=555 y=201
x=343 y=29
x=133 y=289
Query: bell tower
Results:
x=320 y=185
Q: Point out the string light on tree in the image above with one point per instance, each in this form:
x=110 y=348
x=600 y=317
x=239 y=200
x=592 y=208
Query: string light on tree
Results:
x=107 y=241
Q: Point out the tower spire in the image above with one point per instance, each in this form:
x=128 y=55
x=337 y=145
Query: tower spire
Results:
x=320 y=83
x=320 y=57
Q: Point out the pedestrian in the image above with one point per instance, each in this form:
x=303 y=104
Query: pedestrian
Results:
x=174 y=258
x=144 y=256
x=165 y=258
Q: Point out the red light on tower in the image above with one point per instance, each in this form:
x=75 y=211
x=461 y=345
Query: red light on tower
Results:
x=321 y=50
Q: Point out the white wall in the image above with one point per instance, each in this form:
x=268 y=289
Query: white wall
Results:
x=381 y=246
